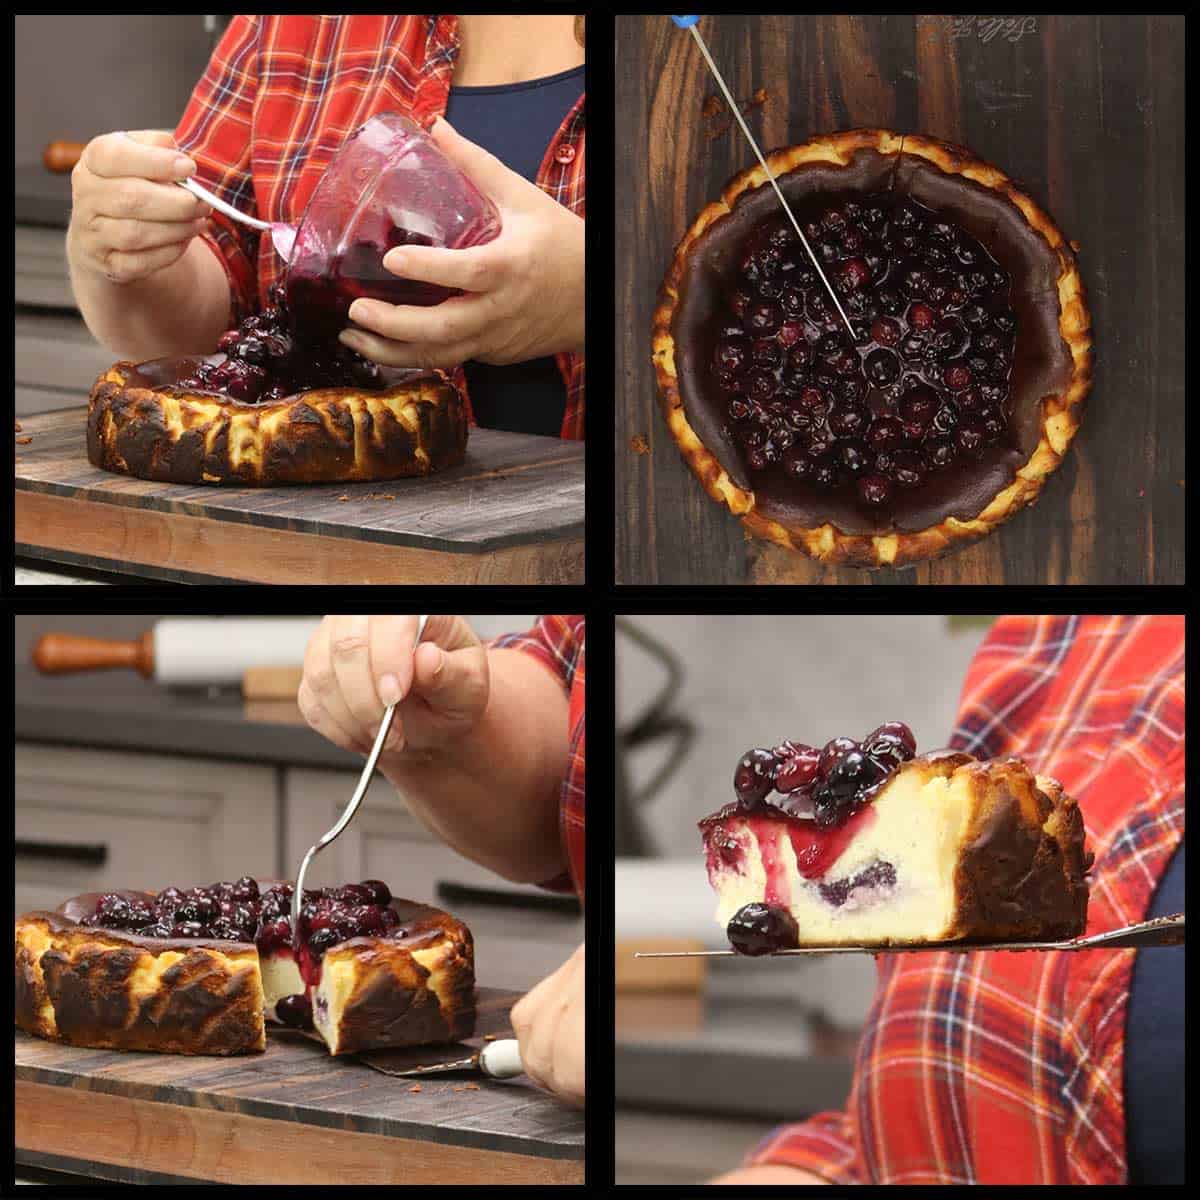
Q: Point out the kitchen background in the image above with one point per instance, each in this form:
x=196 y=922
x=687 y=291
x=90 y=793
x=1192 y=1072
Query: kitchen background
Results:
x=710 y=1055
x=80 y=76
x=127 y=782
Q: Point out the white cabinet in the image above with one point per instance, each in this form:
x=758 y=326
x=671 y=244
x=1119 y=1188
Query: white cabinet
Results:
x=89 y=820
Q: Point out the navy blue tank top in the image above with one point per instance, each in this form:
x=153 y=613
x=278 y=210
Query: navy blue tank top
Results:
x=1154 y=1082
x=516 y=123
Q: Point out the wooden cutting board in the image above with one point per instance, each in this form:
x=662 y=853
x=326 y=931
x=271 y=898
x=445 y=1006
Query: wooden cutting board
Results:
x=292 y=1115
x=511 y=513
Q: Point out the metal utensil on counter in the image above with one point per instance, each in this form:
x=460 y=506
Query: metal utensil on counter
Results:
x=1162 y=931
x=364 y=782
x=689 y=23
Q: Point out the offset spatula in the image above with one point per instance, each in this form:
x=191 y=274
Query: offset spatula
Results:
x=689 y=23
x=1162 y=931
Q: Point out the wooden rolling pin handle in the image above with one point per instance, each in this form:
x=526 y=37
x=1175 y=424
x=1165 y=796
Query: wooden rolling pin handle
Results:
x=65 y=653
x=61 y=157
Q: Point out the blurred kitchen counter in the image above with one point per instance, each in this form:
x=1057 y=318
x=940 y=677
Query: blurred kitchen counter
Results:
x=113 y=709
x=722 y=1049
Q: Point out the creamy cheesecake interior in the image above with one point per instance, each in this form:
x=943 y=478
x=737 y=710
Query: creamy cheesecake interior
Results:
x=894 y=880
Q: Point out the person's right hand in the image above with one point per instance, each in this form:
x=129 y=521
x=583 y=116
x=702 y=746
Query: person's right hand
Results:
x=354 y=666
x=128 y=219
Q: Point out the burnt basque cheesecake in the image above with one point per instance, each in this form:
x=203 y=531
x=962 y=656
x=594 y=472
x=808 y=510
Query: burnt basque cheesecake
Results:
x=198 y=971
x=957 y=396
x=271 y=409
x=867 y=843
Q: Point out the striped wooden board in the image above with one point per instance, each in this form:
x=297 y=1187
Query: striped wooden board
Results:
x=292 y=1115
x=512 y=513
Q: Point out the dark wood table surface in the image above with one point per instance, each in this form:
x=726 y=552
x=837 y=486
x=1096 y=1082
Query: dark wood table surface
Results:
x=513 y=512
x=1086 y=111
x=291 y=1115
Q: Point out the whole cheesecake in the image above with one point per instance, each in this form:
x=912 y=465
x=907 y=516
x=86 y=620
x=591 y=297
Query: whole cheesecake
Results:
x=959 y=392
x=201 y=971
x=271 y=408
x=866 y=843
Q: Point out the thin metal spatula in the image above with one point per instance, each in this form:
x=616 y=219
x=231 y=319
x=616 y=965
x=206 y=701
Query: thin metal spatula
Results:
x=689 y=23
x=1162 y=931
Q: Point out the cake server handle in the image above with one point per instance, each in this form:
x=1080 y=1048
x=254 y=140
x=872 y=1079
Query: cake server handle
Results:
x=501 y=1060
x=364 y=782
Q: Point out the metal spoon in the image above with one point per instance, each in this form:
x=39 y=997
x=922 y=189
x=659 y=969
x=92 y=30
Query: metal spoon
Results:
x=364 y=781
x=283 y=236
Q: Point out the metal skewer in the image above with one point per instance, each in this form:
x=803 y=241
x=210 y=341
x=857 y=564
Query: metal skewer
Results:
x=1162 y=931
x=689 y=23
x=364 y=782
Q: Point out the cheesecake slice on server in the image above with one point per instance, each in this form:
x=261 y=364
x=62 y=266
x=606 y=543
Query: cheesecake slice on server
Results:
x=866 y=843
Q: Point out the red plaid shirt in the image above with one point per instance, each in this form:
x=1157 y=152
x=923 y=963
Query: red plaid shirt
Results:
x=281 y=94
x=1007 y=1068
x=559 y=643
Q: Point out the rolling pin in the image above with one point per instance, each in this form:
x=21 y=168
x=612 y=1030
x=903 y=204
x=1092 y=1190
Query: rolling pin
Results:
x=61 y=157
x=184 y=651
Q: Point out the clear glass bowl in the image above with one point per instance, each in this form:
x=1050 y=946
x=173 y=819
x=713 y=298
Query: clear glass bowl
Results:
x=387 y=186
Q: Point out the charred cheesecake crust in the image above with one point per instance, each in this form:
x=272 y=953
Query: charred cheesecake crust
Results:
x=1021 y=874
x=417 y=990
x=118 y=990
x=323 y=436
x=95 y=987
x=1047 y=285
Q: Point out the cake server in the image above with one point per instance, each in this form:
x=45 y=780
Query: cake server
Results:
x=689 y=23
x=364 y=782
x=497 y=1060
x=1161 y=931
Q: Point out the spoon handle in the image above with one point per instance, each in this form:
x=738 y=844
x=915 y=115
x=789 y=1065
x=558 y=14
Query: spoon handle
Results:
x=200 y=191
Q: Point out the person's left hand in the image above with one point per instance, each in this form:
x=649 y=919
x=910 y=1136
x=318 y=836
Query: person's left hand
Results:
x=523 y=292
x=549 y=1025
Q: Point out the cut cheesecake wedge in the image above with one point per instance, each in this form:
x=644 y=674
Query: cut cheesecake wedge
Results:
x=945 y=849
x=409 y=981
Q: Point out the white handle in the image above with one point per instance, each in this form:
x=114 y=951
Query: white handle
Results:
x=501 y=1060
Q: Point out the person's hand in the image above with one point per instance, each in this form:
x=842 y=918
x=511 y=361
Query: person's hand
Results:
x=128 y=219
x=355 y=666
x=549 y=1025
x=523 y=291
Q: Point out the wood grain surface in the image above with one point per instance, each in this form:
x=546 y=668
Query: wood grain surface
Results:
x=291 y=1115
x=1086 y=111
x=512 y=513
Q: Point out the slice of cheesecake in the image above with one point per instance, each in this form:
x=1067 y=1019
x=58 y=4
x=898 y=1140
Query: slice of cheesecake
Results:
x=939 y=848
